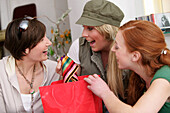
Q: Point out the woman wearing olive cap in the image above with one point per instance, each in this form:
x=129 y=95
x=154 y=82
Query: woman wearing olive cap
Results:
x=101 y=20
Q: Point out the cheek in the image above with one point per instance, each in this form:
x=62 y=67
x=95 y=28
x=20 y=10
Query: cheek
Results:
x=96 y=35
x=120 y=56
x=117 y=54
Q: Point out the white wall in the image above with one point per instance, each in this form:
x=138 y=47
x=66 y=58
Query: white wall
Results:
x=76 y=7
x=51 y=8
x=0 y=14
x=167 y=39
x=165 y=4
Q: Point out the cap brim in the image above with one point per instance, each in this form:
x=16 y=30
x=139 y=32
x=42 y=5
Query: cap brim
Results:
x=89 y=22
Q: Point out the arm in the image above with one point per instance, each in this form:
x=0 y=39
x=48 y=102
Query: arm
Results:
x=150 y=102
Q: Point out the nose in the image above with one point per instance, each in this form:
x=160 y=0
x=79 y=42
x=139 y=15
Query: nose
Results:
x=113 y=48
x=84 y=33
x=48 y=42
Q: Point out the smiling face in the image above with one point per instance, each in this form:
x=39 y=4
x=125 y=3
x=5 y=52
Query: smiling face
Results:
x=122 y=54
x=39 y=52
x=96 y=40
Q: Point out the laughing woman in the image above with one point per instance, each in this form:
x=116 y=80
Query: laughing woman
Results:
x=139 y=46
x=27 y=68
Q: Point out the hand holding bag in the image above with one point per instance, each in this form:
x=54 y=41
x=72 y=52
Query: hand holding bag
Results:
x=72 y=97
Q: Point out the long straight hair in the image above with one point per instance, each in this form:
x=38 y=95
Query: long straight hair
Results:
x=114 y=75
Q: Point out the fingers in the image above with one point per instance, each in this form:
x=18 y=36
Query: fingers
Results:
x=91 y=78
x=59 y=59
x=94 y=83
x=95 y=75
x=89 y=87
x=88 y=79
x=58 y=68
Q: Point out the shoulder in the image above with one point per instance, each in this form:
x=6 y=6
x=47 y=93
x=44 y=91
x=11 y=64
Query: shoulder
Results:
x=50 y=63
x=82 y=40
x=84 y=47
x=75 y=43
x=163 y=72
x=4 y=59
x=74 y=46
x=3 y=71
x=50 y=67
x=3 y=62
x=78 y=42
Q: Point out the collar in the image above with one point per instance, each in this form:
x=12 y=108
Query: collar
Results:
x=96 y=58
x=11 y=72
x=82 y=42
x=10 y=66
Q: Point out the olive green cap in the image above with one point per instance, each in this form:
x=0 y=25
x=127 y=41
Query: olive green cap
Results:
x=99 y=12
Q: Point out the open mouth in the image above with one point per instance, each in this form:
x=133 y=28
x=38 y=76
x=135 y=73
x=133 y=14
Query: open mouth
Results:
x=91 y=42
x=45 y=51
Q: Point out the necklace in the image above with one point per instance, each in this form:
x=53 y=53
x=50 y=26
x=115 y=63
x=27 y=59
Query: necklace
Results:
x=32 y=91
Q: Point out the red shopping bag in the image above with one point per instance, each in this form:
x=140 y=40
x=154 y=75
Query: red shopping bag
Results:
x=71 y=97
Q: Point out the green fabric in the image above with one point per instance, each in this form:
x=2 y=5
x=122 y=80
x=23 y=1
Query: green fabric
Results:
x=99 y=12
x=163 y=72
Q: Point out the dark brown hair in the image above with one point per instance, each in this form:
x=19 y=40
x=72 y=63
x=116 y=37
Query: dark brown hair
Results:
x=148 y=39
x=16 y=44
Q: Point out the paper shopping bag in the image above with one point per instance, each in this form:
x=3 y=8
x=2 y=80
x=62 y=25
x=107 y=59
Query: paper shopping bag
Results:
x=71 y=97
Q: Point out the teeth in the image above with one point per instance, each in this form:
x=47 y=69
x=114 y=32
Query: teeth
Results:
x=45 y=51
x=89 y=41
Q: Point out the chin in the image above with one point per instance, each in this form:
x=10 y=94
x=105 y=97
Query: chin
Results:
x=43 y=59
x=95 y=50
x=120 y=67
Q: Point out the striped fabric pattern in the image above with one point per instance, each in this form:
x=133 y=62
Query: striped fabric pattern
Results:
x=69 y=68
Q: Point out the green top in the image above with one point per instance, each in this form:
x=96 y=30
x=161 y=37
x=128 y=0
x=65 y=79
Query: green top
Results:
x=163 y=72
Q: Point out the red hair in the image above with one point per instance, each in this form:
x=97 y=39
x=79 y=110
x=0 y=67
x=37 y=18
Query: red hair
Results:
x=147 y=38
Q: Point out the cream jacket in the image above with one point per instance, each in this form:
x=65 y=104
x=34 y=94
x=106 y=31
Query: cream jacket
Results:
x=10 y=98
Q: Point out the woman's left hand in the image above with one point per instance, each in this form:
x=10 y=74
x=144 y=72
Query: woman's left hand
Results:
x=59 y=67
x=97 y=85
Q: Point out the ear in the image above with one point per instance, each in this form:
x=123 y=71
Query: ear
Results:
x=27 y=51
x=136 y=56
